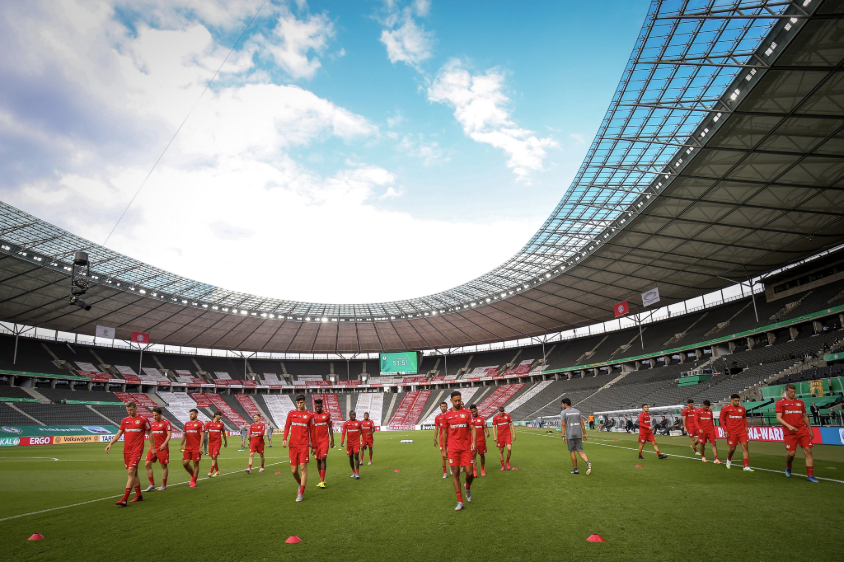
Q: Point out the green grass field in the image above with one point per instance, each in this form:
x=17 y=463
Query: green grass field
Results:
x=675 y=509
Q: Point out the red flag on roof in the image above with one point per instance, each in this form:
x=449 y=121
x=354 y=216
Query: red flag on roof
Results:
x=140 y=337
x=621 y=309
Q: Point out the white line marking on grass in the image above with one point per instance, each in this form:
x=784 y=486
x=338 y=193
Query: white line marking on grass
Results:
x=679 y=457
x=120 y=496
x=13 y=459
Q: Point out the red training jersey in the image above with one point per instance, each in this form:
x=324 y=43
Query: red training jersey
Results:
x=734 y=419
x=502 y=424
x=704 y=419
x=300 y=426
x=159 y=431
x=480 y=426
x=689 y=416
x=644 y=422
x=215 y=431
x=439 y=423
x=351 y=432
x=792 y=412
x=133 y=434
x=322 y=427
x=193 y=435
x=458 y=427
x=367 y=427
x=257 y=430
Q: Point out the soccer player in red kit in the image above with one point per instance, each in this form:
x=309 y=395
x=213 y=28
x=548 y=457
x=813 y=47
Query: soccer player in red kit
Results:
x=216 y=432
x=482 y=433
x=689 y=423
x=323 y=439
x=256 y=441
x=704 y=417
x=351 y=430
x=191 y=445
x=504 y=434
x=797 y=430
x=367 y=431
x=300 y=427
x=438 y=436
x=133 y=428
x=734 y=421
x=159 y=451
x=460 y=438
x=646 y=433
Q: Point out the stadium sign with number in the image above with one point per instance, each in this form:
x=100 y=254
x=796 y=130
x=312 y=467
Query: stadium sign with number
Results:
x=406 y=362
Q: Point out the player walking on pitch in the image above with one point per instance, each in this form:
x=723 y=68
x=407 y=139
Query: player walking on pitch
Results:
x=504 y=434
x=646 y=433
x=351 y=429
x=439 y=427
x=159 y=450
x=460 y=438
x=797 y=432
x=482 y=432
x=689 y=423
x=734 y=421
x=244 y=435
x=133 y=428
x=574 y=432
x=300 y=427
x=256 y=441
x=704 y=417
x=216 y=435
x=269 y=433
x=323 y=439
x=190 y=446
x=367 y=432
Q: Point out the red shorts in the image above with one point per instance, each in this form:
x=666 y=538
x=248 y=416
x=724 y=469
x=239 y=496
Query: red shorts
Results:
x=159 y=456
x=692 y=430
x=256 y=445
x=503 y=440
x=803 y=438
x=352 y=449
x=368 y=441
x=461 y=458
x=706 y=437
x=737 y=438
x=646 y=436
x=321 y=450
x=192 y=455
x=480 y=447
x=299 y=455
x=214 y=448
x=131 y=460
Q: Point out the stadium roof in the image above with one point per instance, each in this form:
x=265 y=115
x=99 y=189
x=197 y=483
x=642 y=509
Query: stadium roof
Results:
x=721 y=157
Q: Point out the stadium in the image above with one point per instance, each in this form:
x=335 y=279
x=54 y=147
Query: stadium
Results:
x=697 y=255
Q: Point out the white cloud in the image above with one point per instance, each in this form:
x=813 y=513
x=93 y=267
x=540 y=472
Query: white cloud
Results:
x=293 y=39
x=430 y=152
x=405 y=40
x=578 y=139
x=480 y=106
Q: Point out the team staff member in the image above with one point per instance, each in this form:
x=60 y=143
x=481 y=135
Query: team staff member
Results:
x=256 y=442
x=734 y=421
x=159 y=451
x=797 y=432
x=133 y=427
x=244 y=435
x=438 y=437
x=323 y=439
x=299 y=426
x=215 y=433
x=574 y=434
x=190 y=445
x=504 y=434
x=482 y=433
x=269 y=433
x=367 y=439
x=646 y=433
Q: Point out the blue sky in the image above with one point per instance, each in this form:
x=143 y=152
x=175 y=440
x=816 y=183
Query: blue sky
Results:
x=339 y=138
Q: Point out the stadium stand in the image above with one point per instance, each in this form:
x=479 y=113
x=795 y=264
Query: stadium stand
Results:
x=410 y=408
x=179 y=405
x=499 y=397
x=372 y=402
x=331 y=405
x=277 y=407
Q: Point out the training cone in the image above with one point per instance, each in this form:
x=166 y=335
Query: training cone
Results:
x=293 y=539
x=36 y=537
x=639 y=466
x=278 y=473
x=596 y=538
x=397 y=470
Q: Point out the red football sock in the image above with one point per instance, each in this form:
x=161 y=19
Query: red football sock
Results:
x=370 y=456
x=483 y=465
x=322 y=476
x=444 y=470
x=746 y=463
x=302 y=489
x=788 y=465
x=126 y=494
x=164 y=482
x=138 y=490
x=810 y=470
x=262 y=464
x=468 y=486
x=460 y=497
x=729 y=456
x=151 y=480
x=502 y=462
x=250 y=466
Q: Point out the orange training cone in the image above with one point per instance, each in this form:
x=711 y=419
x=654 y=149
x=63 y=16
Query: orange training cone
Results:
x=278 y=473
x=36 y=537
x=596 y=538
x=514 y=468
x=397 y=470
x=293 y=539
x=639 y=466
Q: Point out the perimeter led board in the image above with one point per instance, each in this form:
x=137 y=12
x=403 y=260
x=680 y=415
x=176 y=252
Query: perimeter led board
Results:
x=399 y=362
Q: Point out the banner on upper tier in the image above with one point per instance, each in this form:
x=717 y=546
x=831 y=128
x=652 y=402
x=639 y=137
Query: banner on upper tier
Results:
x=55 y=430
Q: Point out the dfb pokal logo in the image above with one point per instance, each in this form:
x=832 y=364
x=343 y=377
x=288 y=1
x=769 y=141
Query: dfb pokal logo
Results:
x=841 y=435
x=8 y=429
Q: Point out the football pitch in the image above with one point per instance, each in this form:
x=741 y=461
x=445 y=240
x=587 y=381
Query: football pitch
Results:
x=672 y=509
